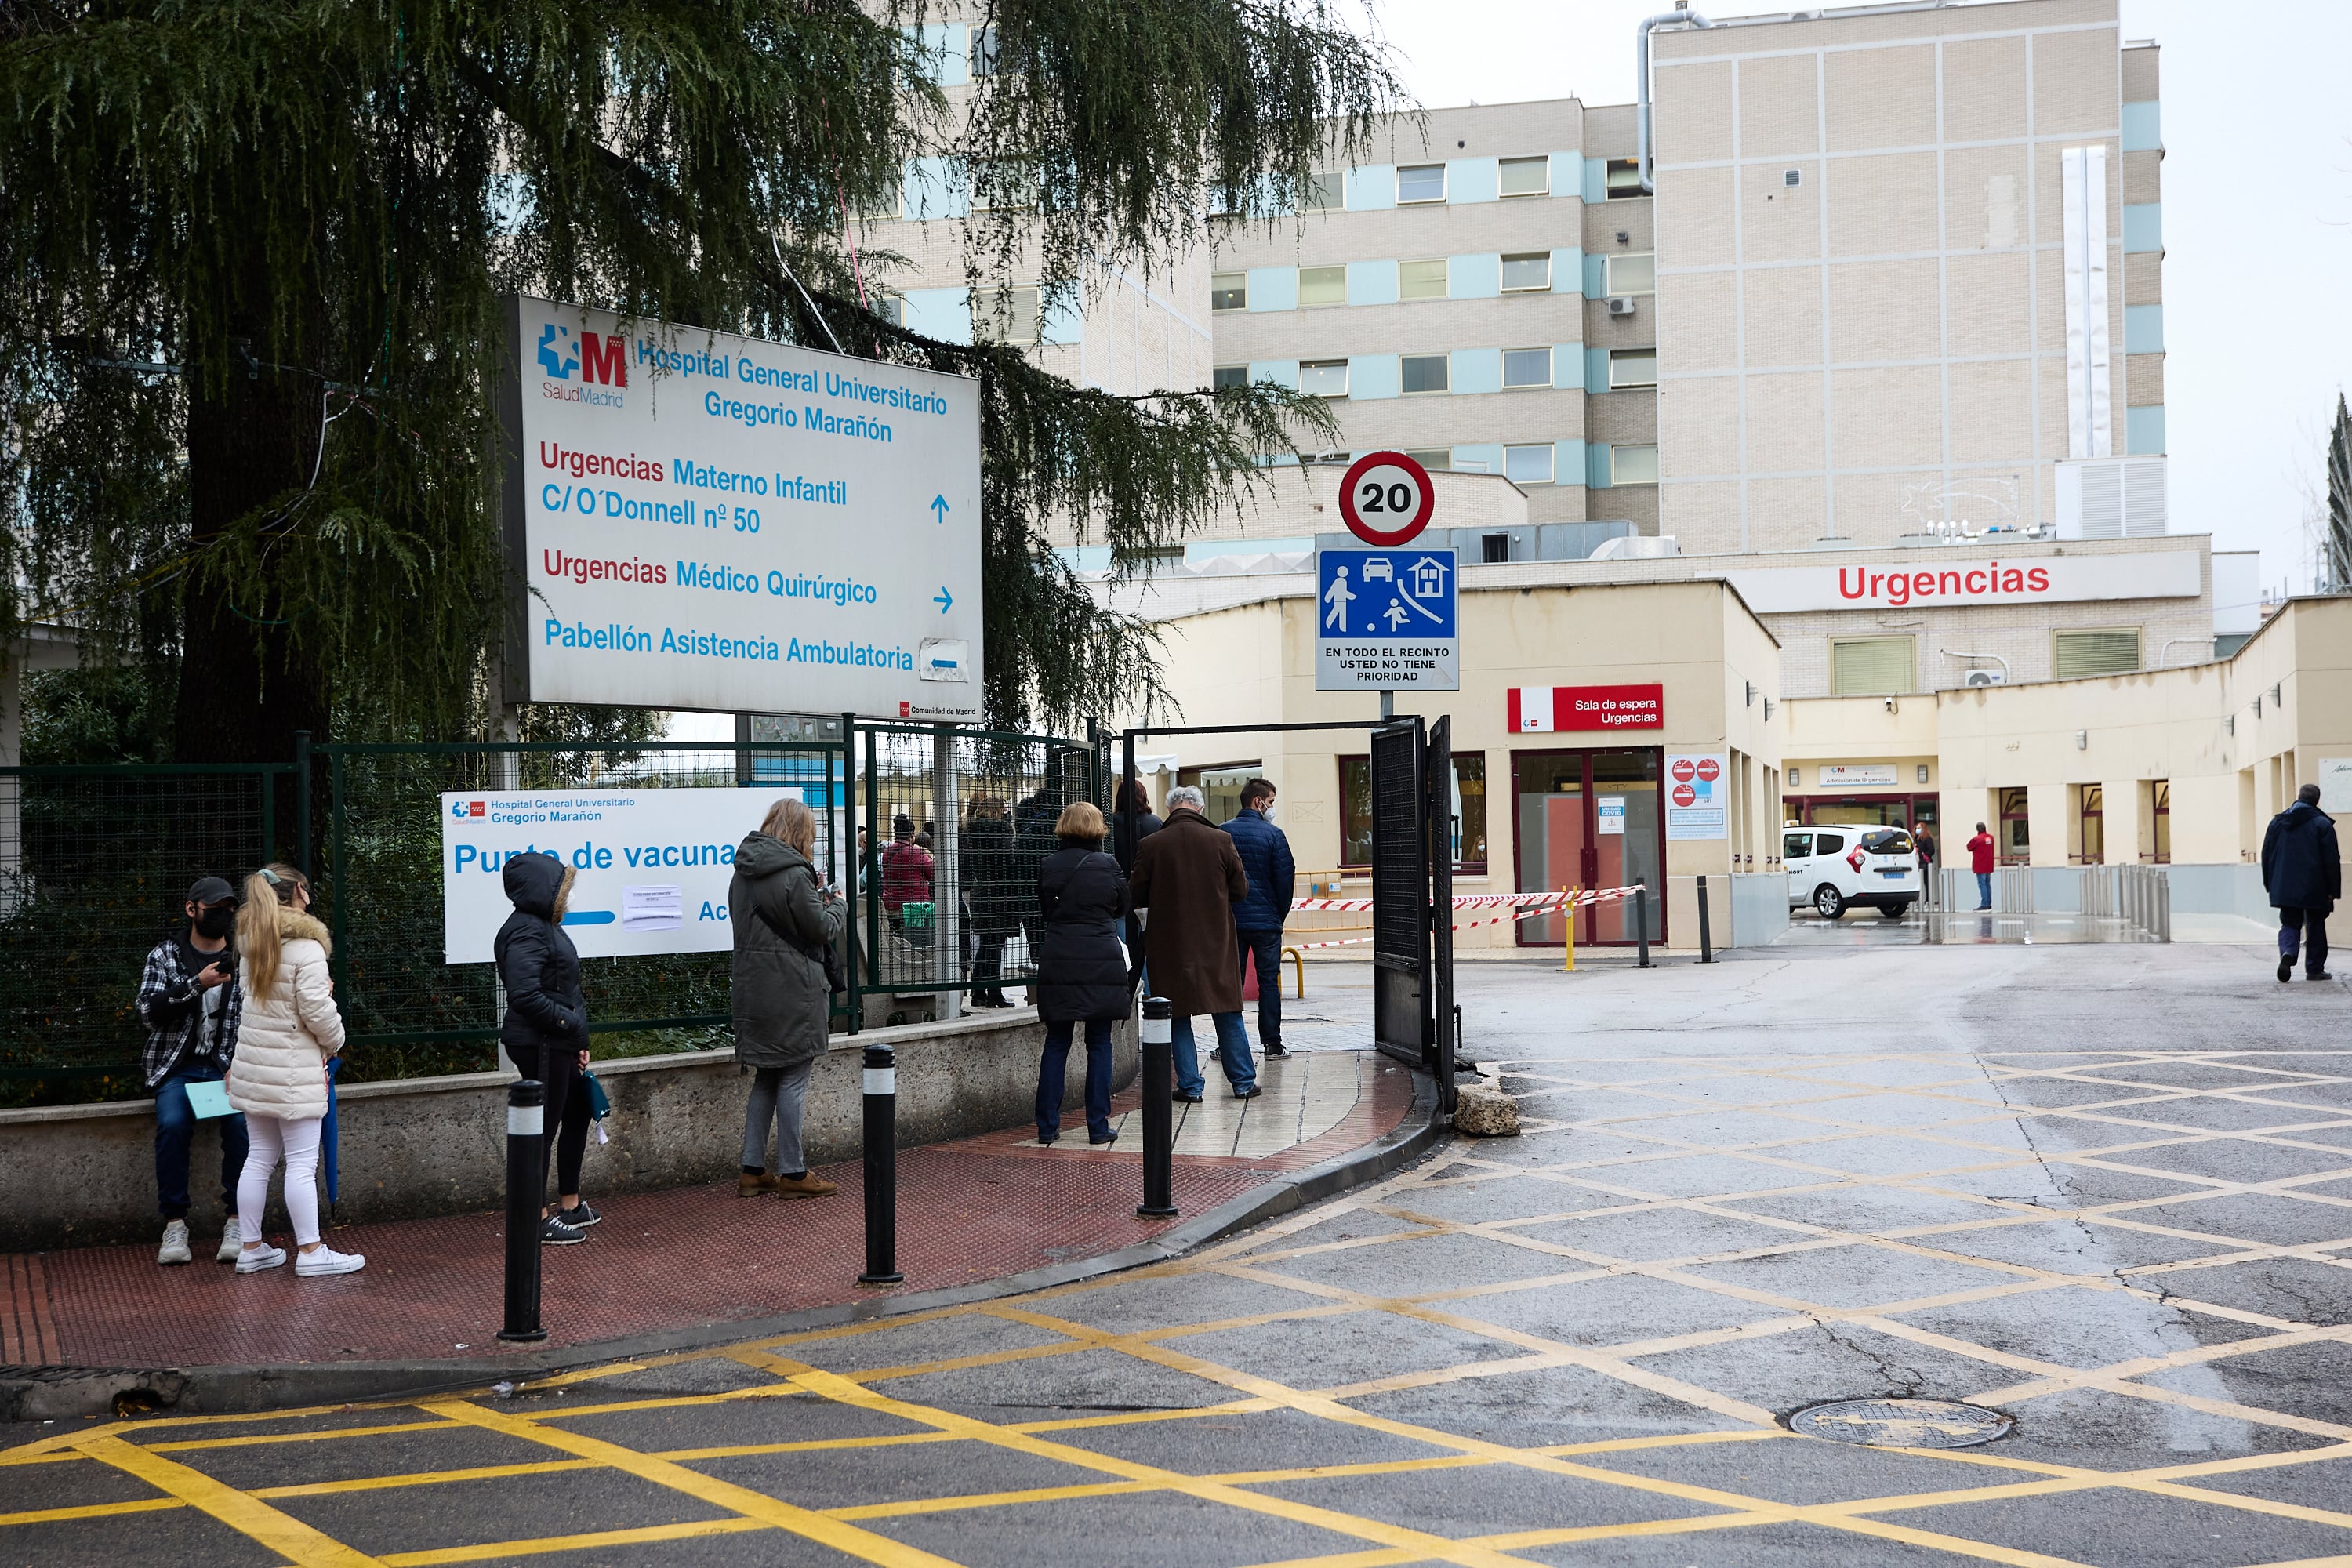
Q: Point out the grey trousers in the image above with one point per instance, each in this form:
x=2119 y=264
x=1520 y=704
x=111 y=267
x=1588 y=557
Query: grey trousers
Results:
x=777 y=1094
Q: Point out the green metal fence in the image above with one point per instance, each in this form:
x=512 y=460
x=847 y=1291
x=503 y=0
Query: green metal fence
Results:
x=94 y=863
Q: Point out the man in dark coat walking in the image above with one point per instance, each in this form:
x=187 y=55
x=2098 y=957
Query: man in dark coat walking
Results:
x=2305 y=878
x=1258 y=919
x=1187 y=880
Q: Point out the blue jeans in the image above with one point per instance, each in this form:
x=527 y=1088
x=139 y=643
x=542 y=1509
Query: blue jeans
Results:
x=1984 y=889
x=1266 y=948
x=1053 y=1067
x=1233 y=1051
x=2311 y=927
x=175 y=1128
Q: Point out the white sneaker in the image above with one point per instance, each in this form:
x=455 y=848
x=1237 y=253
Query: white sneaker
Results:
x=232 y=1242
x=254 y=1260
x=327 y=1260
x=175 y=1244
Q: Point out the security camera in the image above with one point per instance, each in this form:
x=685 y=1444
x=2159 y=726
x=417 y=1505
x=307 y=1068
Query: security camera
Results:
x=1890 y=705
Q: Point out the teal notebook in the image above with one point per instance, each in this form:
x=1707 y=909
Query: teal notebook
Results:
x=210 y=1099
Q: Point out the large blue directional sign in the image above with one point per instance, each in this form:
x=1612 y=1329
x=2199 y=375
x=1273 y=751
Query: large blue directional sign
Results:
x=1385 y=621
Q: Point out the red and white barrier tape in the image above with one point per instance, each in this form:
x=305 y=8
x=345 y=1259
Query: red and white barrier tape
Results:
x=1528 y=905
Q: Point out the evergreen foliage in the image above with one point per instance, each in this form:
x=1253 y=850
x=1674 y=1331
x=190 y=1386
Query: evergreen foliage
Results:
x=2335 y=549
x=251 y=254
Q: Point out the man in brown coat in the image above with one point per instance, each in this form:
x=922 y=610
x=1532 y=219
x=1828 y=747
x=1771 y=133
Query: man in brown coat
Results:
x=1189 y=877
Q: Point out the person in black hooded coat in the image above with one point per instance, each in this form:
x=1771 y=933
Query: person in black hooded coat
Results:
x=546 y=1026
x=1082 y=971
x=2304 y=875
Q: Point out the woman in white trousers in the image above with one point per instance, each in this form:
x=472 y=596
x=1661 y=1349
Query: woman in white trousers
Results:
x=278 y=1075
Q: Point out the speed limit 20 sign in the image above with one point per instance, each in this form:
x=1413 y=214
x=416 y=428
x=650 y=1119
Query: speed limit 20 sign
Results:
x=1386 y=499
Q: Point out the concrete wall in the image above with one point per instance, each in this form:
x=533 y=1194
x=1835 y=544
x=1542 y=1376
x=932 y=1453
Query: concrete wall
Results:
x=80 y=1174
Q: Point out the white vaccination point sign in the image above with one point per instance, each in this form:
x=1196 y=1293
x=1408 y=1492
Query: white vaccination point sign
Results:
x=652 y=864
x=706 y=522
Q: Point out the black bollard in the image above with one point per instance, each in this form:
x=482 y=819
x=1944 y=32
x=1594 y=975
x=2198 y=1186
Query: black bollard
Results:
x=881 y=1168
x=1641 y=922
x=1705 y=930
x=526 y=1195
x=1159 y=1108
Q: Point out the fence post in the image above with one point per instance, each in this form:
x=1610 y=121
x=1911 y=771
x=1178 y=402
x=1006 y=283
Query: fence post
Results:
x=1159 y=1108
x=881 y=1083
x=1641 y=922
x=873 y=869
x=1568 y=952
x=302 y=802
x=339 y=963
x=1706 y=930
x=526 y=1195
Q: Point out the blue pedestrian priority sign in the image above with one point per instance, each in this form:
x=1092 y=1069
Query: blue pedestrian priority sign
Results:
x=1385 y=621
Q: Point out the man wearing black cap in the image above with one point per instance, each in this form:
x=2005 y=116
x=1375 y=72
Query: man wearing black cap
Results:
x=190 y=1001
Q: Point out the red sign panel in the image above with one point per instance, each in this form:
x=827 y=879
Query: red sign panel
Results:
x=1685 y=795
x=1543 y=709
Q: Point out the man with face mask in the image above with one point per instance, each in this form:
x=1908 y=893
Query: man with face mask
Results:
x=191 y=1003
x=1257 y=918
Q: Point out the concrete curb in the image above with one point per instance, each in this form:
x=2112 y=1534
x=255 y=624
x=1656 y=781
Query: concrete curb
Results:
x=35 y=1394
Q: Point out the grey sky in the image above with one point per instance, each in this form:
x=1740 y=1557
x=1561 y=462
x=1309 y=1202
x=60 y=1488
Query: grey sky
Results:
x=2257 y=217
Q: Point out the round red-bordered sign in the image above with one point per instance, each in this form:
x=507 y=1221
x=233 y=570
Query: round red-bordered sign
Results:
x=1684 y=794
x=1386 y=499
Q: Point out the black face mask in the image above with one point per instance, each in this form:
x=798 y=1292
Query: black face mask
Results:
x=216 y=922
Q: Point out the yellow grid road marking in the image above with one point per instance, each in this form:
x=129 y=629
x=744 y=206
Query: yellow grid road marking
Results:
x=241 y=1512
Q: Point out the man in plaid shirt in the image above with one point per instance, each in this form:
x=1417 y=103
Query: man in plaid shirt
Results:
x=189 y=1000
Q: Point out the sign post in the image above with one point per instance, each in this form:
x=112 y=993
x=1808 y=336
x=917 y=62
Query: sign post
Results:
x=1386 y=617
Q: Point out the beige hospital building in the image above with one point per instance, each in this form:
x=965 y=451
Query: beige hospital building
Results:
x=1821 y=390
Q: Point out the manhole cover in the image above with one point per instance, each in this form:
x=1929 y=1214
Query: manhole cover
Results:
x=1903 y=1423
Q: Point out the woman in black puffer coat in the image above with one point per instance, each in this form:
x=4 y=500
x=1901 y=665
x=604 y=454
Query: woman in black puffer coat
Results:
x=1082 y=976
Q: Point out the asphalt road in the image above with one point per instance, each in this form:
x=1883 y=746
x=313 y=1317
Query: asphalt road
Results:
x=2105 y=1190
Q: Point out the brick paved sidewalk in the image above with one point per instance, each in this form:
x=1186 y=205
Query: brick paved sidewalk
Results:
x=968 y=1212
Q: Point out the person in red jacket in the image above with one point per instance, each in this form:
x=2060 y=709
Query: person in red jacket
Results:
x=1981 y=860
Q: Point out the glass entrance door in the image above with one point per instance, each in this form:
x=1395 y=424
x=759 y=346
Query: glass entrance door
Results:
x=1590 y=818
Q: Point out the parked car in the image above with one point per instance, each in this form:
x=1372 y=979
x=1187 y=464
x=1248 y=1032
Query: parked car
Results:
x=1833 y=869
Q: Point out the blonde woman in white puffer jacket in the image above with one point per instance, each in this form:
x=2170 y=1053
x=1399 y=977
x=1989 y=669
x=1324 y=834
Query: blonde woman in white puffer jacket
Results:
x=278 y=1075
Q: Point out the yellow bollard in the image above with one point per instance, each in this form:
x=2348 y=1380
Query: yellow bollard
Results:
x=1567 y=964
x=1298 y=962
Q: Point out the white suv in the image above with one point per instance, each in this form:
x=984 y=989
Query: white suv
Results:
x=1835 y=869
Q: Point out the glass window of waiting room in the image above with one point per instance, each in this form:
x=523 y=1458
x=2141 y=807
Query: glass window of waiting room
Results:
x=1841 y=421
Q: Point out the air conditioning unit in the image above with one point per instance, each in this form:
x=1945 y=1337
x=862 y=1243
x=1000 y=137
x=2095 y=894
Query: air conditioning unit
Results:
x=1983 y=678
x=1621 y=304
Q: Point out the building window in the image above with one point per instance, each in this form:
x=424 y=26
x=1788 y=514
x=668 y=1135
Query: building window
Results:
x=1624 y=179
x=1633 y=367
x=1013 y=316
x=1220 y=788
x=1229 y=378
x=1421 y=279
x=2160 y=792
x=1424 y=373
x=1323 y=377
x=1494 y=548
x=1526 y=176
x=1421 y=183
x=984 y=53
x=891 y=308
x=1528 y=272
x=1229 y=291
x=1527 y=465
x=1327 y=191
x=1633 y=464
x=1434 y=458
x=1322 y=286
x=1002 y=185
x=1871 y=667
x=2110 y=652
x=1469 y=813
x=2014 y=844
x=1527 y=367
x=2090 y=813
x=1633 y=275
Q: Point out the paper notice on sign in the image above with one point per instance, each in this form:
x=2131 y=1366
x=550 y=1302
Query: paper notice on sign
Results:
x=2336 y=785
x=658 y=906
x=1695 y=788
x=1612 y=818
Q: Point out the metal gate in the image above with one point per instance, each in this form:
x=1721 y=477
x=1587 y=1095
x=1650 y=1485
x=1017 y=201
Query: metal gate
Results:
x=1403 y=1020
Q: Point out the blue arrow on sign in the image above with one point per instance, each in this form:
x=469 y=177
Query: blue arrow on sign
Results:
x=943 y=601
x=939 y=509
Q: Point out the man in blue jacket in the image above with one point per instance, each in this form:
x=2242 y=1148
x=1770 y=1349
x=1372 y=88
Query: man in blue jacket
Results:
x=1257 y=918
x=2305 y=878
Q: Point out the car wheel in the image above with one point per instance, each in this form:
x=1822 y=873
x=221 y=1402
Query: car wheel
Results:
x=1896 y=912
x=1828 y=902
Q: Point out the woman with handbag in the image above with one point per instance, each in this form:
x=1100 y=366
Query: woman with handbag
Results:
x=278 y=1077
x=1082 y=972
x=786 y=926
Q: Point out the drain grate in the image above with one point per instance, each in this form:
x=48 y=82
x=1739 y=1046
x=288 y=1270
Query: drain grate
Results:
x=1903 y=1423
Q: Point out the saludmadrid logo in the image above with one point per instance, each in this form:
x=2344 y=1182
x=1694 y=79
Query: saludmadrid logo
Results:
x=599 y=360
